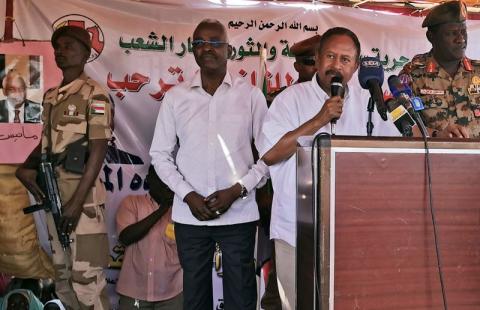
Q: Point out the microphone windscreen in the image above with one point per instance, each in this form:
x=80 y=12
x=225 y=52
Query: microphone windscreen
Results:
x=397 y=87
x=370 y=69
x=336 y=86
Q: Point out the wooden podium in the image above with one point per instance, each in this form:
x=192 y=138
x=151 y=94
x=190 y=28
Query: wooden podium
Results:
x=372 y=245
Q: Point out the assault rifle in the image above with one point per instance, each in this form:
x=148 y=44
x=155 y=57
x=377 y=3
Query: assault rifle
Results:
x=48 y=184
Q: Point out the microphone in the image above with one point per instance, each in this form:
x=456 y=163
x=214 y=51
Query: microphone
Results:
x=370 y=76
x=403 y=94
x=401 y=118
x=336 y=89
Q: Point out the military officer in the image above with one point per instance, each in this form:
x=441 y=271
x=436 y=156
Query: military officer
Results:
x=77 y=112
x=304 y=52
x=447 y=82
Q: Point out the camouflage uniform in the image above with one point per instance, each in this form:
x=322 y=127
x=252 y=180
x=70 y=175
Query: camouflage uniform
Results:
x=79 y=109
x=447 y=100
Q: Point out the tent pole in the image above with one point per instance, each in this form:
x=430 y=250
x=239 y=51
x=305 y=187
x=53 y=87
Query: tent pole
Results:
x=8 y=35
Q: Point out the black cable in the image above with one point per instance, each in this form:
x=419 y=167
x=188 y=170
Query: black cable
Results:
x=434 y=222
x=315 y=205
x=370 y=109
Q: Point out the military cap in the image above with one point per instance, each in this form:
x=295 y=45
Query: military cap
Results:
x=79 y=34
x=306 y=47
x=447 y=12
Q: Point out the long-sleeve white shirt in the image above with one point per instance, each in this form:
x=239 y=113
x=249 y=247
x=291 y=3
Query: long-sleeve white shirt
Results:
x=294 y=106
x=215 y=136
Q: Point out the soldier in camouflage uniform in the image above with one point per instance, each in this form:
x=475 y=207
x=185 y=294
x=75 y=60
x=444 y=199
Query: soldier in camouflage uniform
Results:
x=77 y=110
x=447 y=82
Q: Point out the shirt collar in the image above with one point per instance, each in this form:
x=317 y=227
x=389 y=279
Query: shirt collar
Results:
x=63 y=92
x=432 y=65
x=12 y=105
x=197 y=79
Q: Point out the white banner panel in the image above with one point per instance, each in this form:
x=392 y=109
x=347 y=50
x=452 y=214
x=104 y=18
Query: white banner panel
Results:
x=142 y=49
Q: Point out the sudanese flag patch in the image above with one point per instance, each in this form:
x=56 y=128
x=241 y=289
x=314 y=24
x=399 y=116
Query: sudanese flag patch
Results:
x=97 y=107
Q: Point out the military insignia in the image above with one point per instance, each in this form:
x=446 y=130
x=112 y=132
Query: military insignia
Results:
x=431 y=67
x=467 y=65
x=419 y=60
x=474 y=89
x=476 y=80
x=71 y=110
x=438 y=92
x=97 y=107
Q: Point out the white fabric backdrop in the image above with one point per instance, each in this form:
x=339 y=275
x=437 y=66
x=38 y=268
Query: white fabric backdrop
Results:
x=135 y=63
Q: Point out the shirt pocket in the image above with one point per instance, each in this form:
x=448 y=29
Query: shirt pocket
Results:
x=78 y=128
x=67 y=134
x=435 y=101
x=436 y=108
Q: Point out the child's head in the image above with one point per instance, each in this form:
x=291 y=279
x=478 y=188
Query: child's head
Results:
x=17 y=301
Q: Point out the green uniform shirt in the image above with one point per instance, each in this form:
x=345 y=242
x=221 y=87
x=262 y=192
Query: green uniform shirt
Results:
x=447 y=100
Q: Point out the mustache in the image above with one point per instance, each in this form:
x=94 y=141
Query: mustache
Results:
x=334 y=72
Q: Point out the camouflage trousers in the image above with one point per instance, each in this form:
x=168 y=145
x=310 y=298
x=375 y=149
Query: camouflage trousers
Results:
x=80 y=281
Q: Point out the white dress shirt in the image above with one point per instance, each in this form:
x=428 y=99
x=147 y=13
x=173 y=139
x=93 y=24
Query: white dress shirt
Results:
x=290 y=109
x=215 y=136
x=11 y=111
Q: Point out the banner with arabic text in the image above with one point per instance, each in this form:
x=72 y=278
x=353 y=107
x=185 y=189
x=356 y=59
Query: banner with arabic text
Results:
x=141 y=50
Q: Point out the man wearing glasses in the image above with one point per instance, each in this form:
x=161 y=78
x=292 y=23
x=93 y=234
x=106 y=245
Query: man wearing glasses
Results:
x=215 y=118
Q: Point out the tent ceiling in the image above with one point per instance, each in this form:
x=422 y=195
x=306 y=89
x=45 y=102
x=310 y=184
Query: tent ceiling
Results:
x=414 y=7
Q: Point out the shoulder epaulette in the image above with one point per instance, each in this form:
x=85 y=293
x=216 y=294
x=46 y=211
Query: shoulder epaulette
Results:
x=47 y=93
x=417 y=62
x=420 y=60
x=91 y=82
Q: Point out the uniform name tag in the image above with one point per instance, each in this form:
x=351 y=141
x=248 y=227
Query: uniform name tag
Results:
x=432 y=92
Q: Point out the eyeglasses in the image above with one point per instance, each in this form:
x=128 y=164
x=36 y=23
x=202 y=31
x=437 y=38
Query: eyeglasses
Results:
x=214 y=44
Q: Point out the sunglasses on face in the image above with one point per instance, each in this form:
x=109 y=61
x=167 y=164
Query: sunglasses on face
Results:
x=214 y=43
x=307 y=61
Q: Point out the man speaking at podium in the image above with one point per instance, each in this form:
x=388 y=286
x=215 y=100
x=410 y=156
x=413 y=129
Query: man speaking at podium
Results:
x=306 y=109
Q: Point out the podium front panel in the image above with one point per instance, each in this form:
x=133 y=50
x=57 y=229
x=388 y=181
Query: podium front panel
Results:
x=376 y=241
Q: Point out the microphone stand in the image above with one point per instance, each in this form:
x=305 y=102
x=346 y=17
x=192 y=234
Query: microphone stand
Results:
x=370 y=109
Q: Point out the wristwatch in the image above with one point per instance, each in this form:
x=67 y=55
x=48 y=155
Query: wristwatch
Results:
x=243 y=192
